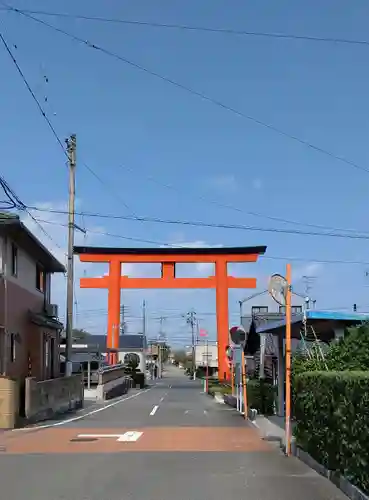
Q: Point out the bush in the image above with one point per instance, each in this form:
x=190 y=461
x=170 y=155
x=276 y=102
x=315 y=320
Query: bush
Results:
x=223 y=389
x=332 y=422
x=261 y=396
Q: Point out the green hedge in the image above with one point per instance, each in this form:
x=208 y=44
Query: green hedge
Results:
x=223 y=389
x=332 y=421
x=261 y=396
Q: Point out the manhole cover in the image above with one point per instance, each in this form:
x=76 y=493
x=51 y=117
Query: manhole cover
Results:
x=82 y=440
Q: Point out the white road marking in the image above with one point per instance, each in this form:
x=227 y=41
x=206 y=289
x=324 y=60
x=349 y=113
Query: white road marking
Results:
x=126 y=437
x=205 y=412
x=154 y=410
x=130 y=436
x=162 y=398
x=186 y=412
x=80 y=417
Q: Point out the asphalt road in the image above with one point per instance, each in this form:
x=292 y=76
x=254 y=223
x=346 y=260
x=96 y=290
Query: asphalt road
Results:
x=170 y=442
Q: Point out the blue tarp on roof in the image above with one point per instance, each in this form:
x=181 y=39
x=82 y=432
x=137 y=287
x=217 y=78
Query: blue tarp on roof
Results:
x=350 y=317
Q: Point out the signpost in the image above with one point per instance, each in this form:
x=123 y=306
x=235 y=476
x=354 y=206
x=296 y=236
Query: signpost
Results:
x=238 y=337
x=204 y=333
x=280 y=290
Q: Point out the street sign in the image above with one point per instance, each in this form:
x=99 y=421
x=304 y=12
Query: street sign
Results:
x=237 y=355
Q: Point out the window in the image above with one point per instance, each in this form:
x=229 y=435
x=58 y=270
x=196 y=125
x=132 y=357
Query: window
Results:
x=46 y=352
x=259 y=309
x=46 y=357
x=12 y=347
x=14 y=262
x=40 y=278
x=294 y=309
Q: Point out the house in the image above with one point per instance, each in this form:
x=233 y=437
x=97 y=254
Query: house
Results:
x=309 y=325
x=29 y=326
x=128 y=343
x=265 y=351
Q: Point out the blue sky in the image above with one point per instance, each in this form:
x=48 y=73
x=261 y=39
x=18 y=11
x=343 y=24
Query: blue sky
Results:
x=132 y=126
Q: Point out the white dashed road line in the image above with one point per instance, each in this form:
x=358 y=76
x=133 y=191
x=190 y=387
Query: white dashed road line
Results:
x=154 y=410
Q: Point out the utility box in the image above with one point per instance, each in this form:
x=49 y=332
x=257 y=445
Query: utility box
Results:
x=9 y=403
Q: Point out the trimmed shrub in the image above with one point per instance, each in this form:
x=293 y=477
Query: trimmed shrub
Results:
x=261 y=396
x=223 y=389
x=332 y=421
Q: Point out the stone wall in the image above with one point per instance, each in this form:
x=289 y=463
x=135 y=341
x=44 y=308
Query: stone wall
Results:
x=48 y=398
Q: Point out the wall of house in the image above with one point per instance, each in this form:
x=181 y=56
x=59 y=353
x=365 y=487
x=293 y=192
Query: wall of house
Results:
x=267 y=301
x=207 y=352
x=26 y=268
x=18 y=296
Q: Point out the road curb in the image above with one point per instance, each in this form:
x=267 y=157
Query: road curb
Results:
x=269 y=432
x=349 y=489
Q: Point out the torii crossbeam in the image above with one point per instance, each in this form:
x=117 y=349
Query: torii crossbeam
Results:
x=168 y=258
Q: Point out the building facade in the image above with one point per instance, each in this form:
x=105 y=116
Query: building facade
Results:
x=29 y=327
x=262 y=311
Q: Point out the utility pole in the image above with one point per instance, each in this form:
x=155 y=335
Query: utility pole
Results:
x=144 y=320
x=191 y=320
x=308 y=281
x=122 y=324
x=71 y=151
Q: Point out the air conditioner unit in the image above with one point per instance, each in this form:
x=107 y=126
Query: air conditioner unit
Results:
x=52 y=310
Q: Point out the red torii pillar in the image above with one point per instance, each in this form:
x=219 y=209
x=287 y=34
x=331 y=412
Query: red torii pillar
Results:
x=168 y=258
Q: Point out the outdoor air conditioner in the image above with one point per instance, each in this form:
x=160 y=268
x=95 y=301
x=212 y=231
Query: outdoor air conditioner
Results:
x=51 y=310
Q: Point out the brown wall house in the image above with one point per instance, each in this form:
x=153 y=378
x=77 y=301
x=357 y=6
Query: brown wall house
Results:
x=29 y=327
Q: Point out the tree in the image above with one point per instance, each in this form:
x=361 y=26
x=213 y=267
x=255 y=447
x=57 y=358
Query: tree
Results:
x=180 y=357
x=350 y=353
x=78 y=335
x=132 y=360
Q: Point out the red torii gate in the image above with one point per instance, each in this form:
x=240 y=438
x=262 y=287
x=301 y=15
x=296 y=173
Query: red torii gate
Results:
x=168 y=258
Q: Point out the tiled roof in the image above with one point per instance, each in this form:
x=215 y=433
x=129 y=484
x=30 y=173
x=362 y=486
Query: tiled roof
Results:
x=126 y=342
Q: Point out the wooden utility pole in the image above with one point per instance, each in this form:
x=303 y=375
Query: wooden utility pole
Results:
x=71 y=151
x=288 y=360
x=144 y=318
x=191 y=320
x=122 y=320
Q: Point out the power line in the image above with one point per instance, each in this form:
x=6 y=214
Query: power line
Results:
x=357 y=236
x=52 y=128
x=16 y=202
x=25 y=81
x=234 y=208
x=165 y=185
x=194 y=92
x=155 y=242
x=192 y=28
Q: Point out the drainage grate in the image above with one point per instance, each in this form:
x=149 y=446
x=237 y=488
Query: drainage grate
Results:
x=82 y=440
